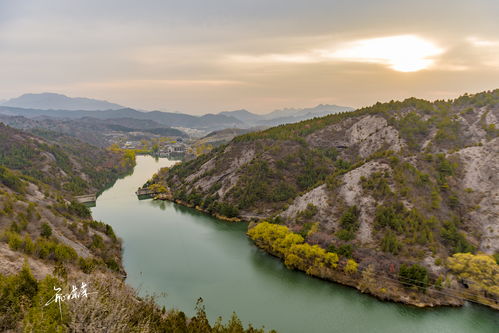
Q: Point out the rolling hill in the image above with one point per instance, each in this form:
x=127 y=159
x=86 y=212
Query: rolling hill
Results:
x=207 y=122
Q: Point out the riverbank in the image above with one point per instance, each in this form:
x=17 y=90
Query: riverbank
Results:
x=368 y=282
x=384 y=288
x=168 y=197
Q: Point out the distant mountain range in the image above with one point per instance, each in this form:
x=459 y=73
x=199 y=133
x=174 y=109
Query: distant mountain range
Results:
x=207 y=122
x=285 y=116
x=61 y=106
x=52 y=101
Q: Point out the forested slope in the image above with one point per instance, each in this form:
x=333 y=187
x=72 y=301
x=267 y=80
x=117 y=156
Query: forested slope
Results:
x=61 y=161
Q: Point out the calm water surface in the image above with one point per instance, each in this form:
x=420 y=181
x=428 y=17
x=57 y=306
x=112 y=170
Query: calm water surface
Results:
x=185 y=254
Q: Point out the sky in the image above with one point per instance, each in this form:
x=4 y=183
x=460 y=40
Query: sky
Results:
x=207 y=56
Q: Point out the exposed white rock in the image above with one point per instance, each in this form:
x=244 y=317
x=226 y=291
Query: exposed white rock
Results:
x=491 y=119
x=226 y=174
x=474 y=129
x=351 y=189
x=229 y=177
x=371 y=133
x=318 y=197
x=207 y=166
x=481 y=174
x=353 y=194
x=429 y=262
x=350 y=192
x=431 y=137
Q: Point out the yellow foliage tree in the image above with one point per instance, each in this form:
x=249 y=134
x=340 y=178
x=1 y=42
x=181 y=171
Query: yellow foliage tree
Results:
x=282 y=245
x=351 y=266
x=272 y=237
x=297 y=254
x=479 y=270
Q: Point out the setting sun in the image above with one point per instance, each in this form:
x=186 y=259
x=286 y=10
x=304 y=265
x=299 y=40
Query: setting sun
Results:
x=405 y=53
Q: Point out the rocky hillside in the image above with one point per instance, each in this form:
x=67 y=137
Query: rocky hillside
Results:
x=394 y=190
x=44 y=228
x=47 y=241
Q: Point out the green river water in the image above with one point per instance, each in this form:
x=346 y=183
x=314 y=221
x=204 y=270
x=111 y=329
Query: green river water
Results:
x=185 y=254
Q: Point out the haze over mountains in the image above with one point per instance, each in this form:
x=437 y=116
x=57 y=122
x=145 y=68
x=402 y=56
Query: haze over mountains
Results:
x=52 y=101
x=285 y=116
x=61 y=106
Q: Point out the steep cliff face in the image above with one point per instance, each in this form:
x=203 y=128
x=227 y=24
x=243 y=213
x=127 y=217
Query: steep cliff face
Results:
x=400 y=182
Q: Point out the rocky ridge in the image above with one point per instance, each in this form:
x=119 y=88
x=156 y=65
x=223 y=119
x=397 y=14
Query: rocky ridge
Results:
x=420 y=177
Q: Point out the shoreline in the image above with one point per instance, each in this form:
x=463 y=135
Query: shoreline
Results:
x=392 y=292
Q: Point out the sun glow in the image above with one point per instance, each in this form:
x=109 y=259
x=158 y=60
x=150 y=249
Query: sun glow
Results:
x=405 y=53
x=402 y=53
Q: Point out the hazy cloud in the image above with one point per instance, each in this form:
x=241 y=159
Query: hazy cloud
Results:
x=206 y=56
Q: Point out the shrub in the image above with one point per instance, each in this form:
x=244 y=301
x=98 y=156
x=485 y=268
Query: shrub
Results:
x=79 y=209
x=16 y=294
x=87 y=265
x=9 y=179
x=345 y=235
x=46 y=230
x=390 y=216
x=309 y=212
x=345 y=250
x=390 y=243
x=413 y=275
x=112 y=264
x=64 y=253
x=377 y=184
x=349 y=222
x=350 y=218
x=14 y=240
x=97 y=242
x=413 y=129
x=455 y=240
x=28 y=245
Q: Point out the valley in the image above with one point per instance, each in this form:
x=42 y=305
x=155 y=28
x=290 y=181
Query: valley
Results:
x=396 y=200
x=49 y=240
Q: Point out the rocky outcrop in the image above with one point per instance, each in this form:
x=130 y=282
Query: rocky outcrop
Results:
x=481 y=176
x=371 y=133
